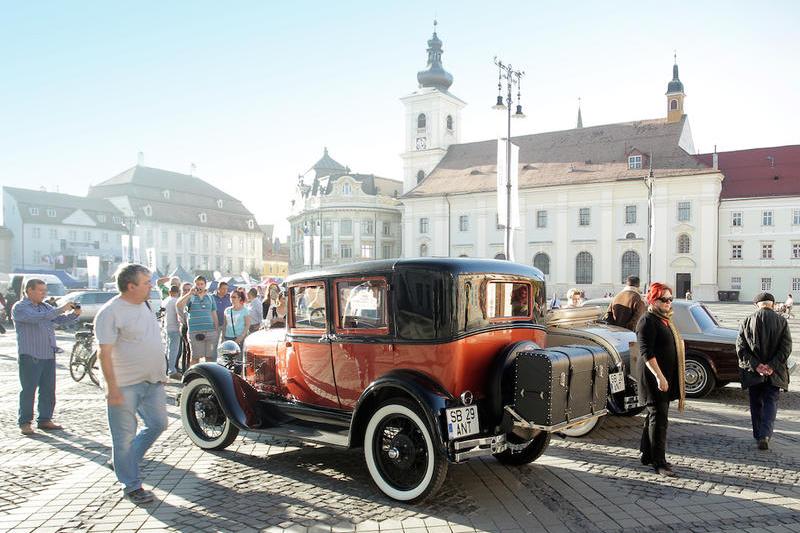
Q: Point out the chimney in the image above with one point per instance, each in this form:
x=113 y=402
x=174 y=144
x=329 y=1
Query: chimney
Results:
x=140 y=159
x=715 y=158
x=192 y=168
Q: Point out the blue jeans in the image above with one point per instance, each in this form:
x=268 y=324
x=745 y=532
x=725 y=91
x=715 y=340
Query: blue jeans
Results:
x=173 y=349
x=763 y=409
x=128 y=447
x=36 y=373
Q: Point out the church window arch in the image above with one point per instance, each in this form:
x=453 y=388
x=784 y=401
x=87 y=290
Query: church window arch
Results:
x=421 y=121
x=423 y=250
x=420 y=176
x=542 y=262
x=450 y=122
x=684 y=244
x=673 y=104
x=584 y=268
x=630 y=264
x=500 y=256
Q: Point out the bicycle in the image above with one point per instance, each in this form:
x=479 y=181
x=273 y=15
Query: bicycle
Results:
x=83 y=359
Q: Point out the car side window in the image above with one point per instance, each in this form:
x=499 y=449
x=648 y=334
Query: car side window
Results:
x=362 y=304
x=87 y=299
x=308 y=306
x=103 y=297
x=508 y=300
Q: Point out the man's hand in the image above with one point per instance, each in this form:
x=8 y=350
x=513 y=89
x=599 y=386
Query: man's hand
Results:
x=76 y=311
x=663 y=385
x=764 y=370
x=114 y=397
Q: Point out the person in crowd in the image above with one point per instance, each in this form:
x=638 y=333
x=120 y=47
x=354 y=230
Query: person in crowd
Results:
x=222 y=299
x=788 y=305
x=173 y=328
x=520 y=301
x=763 y=348
x=574 y=298
x=236 y=318
x=161 y=283
x=660 y=374
x=202 y=320
x=256 y=307
x=186 y=347
x=627 y=307
x=4 y=313
x=276 y=315
x=35 y=322
x=132 y=362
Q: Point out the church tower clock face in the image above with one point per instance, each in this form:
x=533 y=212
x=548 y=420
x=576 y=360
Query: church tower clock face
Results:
x=421 y=143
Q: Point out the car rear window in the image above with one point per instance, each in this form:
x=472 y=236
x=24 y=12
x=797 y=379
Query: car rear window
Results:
x=309 y=306
x=362 y=304
x=507 y=300
x=703 y=317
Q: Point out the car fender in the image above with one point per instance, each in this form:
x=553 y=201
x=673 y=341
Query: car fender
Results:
x=429 y=395
x=709 y=360
x=239 y=401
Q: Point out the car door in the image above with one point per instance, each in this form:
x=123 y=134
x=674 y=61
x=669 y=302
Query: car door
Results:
x=361 y=346
x=309 y=370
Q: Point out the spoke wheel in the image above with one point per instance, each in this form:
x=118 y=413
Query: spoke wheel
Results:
x=77 y=361
x=400 y=453
x=522 y=452
x=93 y=368
x=699 y=378
x=203 y=418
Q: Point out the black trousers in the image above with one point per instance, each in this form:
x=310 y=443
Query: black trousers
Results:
x=763 y=409
x=654 y=434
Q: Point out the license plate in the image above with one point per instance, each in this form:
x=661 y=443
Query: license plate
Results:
x=617 y=382
x=462 y=421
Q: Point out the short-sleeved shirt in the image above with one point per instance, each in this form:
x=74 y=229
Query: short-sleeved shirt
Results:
x=133 y=330
x=256 y=307
x=222 y=303
x=200 y=313
x=171 y=322
x=234 y=324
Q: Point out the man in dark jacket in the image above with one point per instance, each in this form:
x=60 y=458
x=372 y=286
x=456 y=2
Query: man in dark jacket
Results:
x=627 y=307
x=763 y=347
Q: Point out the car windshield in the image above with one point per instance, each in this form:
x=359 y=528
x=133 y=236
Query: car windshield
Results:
x=703 y=317
x=55 y=289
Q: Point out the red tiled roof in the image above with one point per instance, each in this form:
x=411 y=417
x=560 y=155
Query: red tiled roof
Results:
x=758 y=172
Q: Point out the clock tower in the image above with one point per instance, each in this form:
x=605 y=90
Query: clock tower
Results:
x=433 y=118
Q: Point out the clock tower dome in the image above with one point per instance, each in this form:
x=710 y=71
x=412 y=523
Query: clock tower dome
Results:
x=433 y=118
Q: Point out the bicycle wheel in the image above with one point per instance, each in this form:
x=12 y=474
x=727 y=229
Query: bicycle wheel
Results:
x=77 y=361
x=93 y=368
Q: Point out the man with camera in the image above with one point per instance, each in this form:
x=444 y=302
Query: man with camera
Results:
x=203 y=323
x=35 y=322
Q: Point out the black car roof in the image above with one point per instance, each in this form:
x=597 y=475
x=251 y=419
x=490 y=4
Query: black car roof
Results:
x=452 y=265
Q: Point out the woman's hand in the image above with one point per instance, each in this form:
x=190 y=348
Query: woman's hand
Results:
x=663 y=385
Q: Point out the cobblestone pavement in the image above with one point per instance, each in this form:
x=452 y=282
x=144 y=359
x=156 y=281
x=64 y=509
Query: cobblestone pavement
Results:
x=58 y=481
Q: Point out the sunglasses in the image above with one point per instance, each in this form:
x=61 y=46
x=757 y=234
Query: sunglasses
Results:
x=665 y=300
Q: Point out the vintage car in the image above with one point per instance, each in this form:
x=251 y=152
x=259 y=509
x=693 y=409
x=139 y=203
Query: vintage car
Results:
x=710 y=348
x=420 y=362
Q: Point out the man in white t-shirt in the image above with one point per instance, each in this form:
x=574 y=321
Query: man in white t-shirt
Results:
x=132 y=361
x=173 y=328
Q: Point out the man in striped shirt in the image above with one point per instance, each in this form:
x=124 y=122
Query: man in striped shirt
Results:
x=36 y=346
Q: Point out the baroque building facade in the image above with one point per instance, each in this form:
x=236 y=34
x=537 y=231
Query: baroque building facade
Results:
x=338 y=216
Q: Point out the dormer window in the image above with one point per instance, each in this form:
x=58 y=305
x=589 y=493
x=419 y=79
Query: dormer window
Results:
x=51 y=212
x=148 y=210
x=251 y=224
x=101 y=218
x=166 y=194
x=449 y=123
x=116 y=220
x=346 y=189
x=421 y=121
x=634 y=162
x=219 y=203
x=33 y=211
x=203 y=218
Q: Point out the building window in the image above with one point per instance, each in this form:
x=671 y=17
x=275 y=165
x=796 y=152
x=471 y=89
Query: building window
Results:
x=51 y=212
x=542 y=262
x=736 y=282
x=766 y=250
x=205 y=241
x=241 y=244
x=164 y=261
x=148 y=210
x=33 y=211
x=583 y=268
x=327 y=228
x=501 y=256
x=367 y=227
x=423 y=225
x=203 y=218
x=630 y=214
x=105 y=237
x=346 y=189
x=327 y=251
x=150 y=237
x=218 y=261
x=796 y=217
x=736 y=251
x=101 y=218
x=541 y=218
x=164 y=236
x=796 y=284
x=73 y=235
x=635 y=162
x=346 y=227
x=87 y=236
x=420 y=176
x=684 y=244
x=766 y=284
x=116 y=220
x=387 y=229
x=497 y=223
x=423 y=250
x=766 y=218
x=736 y=219
x=421 y=121
x=630 y=264
x=165 y=194
x=368 y=251
x=388 y=251
x=449 y=123
x=54 y=234
x=630 y=235
x=230 y=243
x=684 y=211
x=346 y=251
x=220 y=203
x=37 y=232
x=178 y=239
x=463 y=223
x=673 y=105
x=795 y=250
x=583 y=216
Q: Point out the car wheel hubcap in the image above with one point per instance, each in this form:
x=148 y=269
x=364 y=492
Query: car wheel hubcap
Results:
x=401 y=452
x=695 y=377
x=207 y=419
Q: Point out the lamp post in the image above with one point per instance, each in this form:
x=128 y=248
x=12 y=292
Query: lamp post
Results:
x=129 y=223
x=648 y=182
x=512 y=77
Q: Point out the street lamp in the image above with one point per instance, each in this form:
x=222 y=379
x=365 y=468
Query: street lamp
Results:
x=129 y=223
x=648 y=182
x=512 y=78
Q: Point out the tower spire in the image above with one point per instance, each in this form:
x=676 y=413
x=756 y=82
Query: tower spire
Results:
x=675 y=93
x=580 y=119
x=435 y=75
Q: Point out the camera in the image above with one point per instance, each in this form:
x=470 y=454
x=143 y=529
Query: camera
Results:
x=200 y=337
x=76 y=305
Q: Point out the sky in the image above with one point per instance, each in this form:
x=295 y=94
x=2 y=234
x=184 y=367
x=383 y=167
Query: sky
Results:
x=250 y=92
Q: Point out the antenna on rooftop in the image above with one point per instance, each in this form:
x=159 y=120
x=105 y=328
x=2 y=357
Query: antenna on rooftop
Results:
x=140 y=159
x=192 y=169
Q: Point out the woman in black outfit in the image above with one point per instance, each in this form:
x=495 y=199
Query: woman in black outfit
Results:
x=660 y=375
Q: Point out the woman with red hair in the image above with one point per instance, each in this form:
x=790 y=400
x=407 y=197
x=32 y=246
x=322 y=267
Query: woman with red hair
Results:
x=660 y=375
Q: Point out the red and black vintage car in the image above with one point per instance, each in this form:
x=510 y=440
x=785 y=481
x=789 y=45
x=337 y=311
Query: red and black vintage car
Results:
x=420 y=362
